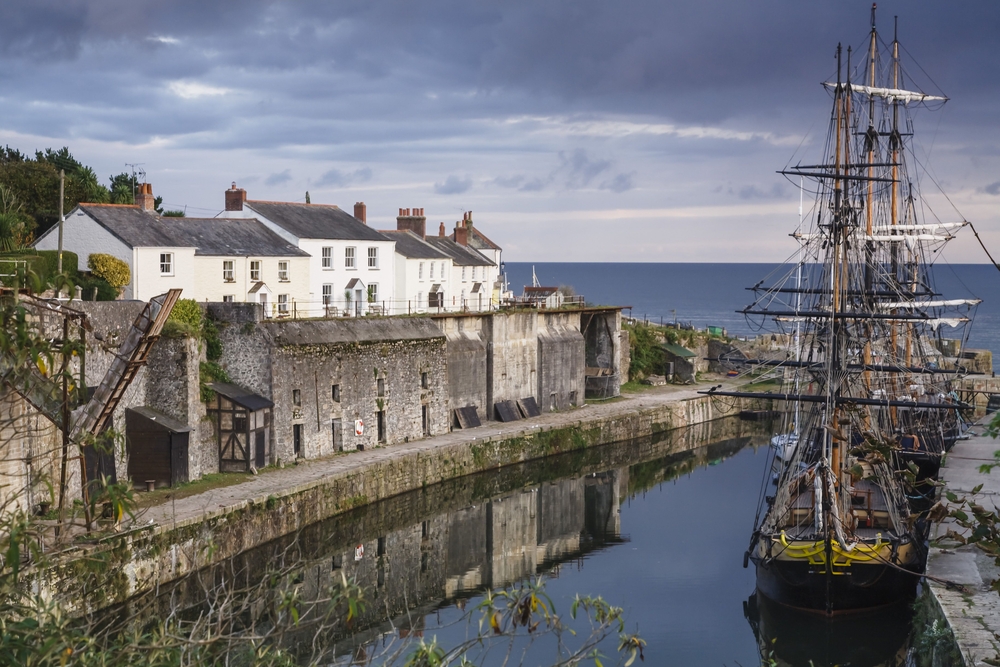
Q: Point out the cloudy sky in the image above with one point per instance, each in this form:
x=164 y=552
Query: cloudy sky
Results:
x=582 y=130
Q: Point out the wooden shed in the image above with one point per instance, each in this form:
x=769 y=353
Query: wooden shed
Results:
x=157 y=447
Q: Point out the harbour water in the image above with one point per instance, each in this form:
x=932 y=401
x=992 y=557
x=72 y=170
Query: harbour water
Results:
x=654 y=526
x=710 y=294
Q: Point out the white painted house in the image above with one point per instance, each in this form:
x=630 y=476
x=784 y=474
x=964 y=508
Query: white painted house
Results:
x=423 y=274
x=210 y=259
x=351 y=267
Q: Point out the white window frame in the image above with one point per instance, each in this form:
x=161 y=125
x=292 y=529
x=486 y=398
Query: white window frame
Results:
x=420 y=271
x=282 y=304
x=166 y=263
x=350 y=255
x=326 y=261
x=328 y=294
x=373 y=257
x=227 y=271
x=474 y=272
x=463 y=273
x=283 y=271
x=372 y=293
x=432 y=271
x=420 y=300
x=228 y=298
x=255 y=269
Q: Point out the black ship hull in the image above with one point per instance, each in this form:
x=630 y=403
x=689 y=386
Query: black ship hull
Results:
x=863 y=586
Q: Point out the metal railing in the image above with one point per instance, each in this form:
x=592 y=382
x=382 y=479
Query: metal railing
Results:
x=296 y=309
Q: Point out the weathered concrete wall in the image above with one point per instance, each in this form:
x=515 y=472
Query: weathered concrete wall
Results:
x=160 y=554
x=512 y=372
x=467 y=361
x=246 y=346
x=30 y=455
x=561 y=359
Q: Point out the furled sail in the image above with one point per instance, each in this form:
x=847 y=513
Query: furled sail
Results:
x=944 y=303
x=891 y=94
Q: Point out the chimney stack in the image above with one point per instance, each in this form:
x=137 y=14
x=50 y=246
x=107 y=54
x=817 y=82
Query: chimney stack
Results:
x=441 y=231
x=235 y=197
x=413 y=220
x=461 y=233
x=144 y=197
x=361 y=211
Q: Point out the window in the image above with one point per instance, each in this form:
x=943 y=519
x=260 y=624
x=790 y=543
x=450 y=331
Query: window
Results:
x=373 y=293
x=474 y=272
x=432 y=270
x=227 y=271
x=424 y=381
x=380 y=386
x=420 y=300
x=327 y=258
x=166 y=263
x=463 y=298
x=282 y=304
x=349 y=258
x=283 y=272
x=420 y=271
x=228 y=298
x=327 y=294
x=463 y=273
x=372 y=258
x=296 y=397
x=335 y=393
x=255 y=269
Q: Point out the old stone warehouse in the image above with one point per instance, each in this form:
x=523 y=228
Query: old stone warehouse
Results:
x=310 y=388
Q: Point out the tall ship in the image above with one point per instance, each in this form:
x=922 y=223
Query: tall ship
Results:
x=870 y=350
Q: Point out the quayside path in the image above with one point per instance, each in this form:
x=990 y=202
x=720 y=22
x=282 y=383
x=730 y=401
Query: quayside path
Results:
x=973 y=613
x=275 y=482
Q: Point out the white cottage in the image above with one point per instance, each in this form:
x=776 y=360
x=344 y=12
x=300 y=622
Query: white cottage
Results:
x=210 y=259
x=351 y=266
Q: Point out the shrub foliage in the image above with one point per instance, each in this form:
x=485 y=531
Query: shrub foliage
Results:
x=110 y=268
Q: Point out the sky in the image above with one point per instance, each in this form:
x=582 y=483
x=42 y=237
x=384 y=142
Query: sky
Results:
x=583 y=130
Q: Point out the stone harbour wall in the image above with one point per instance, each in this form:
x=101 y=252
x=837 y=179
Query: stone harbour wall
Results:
x=162 y=553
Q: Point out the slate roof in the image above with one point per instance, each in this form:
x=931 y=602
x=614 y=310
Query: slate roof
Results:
x=410 y=245
x=460 y=255
x=209 y=236
x=230 y=236
x=315 y=221
x=241 y=396
x=478 y=240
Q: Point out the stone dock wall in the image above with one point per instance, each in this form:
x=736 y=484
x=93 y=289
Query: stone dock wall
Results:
x=146 y=558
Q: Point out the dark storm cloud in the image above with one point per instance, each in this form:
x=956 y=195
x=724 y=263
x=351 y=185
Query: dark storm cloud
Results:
x=704 y=61
x=992 y=188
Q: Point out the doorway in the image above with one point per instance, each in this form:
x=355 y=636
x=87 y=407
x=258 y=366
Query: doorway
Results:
x=297 y=439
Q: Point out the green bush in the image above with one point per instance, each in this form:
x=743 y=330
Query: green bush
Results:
x=187 y=311
x=50 y=260
x=87 y=284
x=109 y=267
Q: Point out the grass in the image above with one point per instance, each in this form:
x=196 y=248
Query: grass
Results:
x=771 y=384
x=208 y=482
x=634 y=387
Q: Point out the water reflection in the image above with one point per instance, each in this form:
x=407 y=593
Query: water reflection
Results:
x=794 y=638
x=419 y=554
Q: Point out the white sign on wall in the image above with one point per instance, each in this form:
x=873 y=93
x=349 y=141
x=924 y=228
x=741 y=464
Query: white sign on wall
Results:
x=359 y=427
x=359 y=552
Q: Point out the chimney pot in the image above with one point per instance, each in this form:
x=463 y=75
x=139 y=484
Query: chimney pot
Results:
x=361 y=211
x=235 y=197
x=144 y=197
x=441 y=230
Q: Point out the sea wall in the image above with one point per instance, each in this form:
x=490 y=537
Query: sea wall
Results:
x=146 y=558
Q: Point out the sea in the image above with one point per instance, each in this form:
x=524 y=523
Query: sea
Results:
x=709 y=294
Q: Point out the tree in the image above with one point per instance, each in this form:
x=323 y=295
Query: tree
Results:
x=123 y=188
x=14 y=224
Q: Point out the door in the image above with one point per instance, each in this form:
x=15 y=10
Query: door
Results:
x=338 y=436
x=259 y=458
x=381 y=425
x=425 y=420
x=297 y=439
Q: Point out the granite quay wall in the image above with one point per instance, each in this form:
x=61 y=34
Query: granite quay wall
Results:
x=168 y=550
